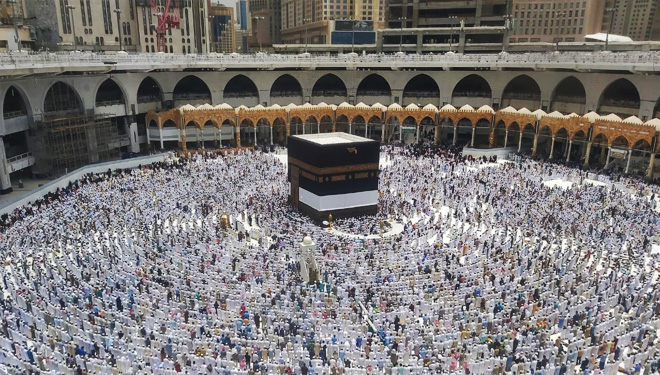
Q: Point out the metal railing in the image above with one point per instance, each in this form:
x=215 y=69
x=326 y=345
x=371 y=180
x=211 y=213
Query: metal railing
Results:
x=19 y=157
x=620 y=61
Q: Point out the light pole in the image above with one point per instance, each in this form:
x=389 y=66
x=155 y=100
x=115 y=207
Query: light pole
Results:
x=305 y=22
x=611 y=11
x=557 y=15
x=118 y=12
x=257 y=27
x=402 y=20
x=70 y=9
x=451 y=38
x=352 y=20
x=13 y=20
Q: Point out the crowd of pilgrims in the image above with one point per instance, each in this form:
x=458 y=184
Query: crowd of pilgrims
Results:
x=129 y=272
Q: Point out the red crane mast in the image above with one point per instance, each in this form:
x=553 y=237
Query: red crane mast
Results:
x=165 y=21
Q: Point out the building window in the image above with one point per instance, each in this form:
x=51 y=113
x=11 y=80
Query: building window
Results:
x=132 y=9
x=89 y=13
x=82 y=12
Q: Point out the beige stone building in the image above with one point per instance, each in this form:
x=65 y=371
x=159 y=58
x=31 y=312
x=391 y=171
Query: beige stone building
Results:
x=111 y=25
x=637 y=19
x=555 y=20
x=14 y=32
x=222 y=29
x=312 y=21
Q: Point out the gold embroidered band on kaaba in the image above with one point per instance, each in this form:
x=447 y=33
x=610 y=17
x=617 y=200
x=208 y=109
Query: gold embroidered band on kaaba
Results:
x=334 y=170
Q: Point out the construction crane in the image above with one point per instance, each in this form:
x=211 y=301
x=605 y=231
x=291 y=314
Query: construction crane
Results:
x=165 y=21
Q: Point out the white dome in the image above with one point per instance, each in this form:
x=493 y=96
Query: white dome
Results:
x=430 y=107
x=187 y=107
x=258 y=107
x=611 y=117
x=361 y=105
x=634 y=120
x=486 y=108
x=344 y=105
x=591 y=116
x=223 y=106
x=205 y=107
x=525 y=111
x=655 y=123
x=448 y=108
x=412 y=107
x=307 y=240
x=509 y=109
x=539 y=113
x=394 y=107
x=467 y=108
x=378 y=106
x=556 y=114
x=275 y=106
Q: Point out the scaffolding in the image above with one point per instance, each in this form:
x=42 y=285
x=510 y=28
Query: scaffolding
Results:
x=68 y=143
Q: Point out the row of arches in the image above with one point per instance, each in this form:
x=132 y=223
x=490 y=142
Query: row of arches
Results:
x=620 y=97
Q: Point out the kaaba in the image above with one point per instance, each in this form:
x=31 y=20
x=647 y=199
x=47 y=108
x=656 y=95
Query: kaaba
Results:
x=333 y=173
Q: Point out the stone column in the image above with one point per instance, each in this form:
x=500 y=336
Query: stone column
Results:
x=271 y=135
x=552 y=148
x=350 y=128
x=520 y=141
x=5 y=181
x=586 y=155
x=417 y=134
x=197 y=136
x=436 y=135
x=160 y=134
x=400 y=132
x=609 y=153
x=568 y=154
x=255 y=135
x=132 y=131
x=506 y=137
x=649 y=170
x=536 y=143
x=474 y=129
x=453 y=142
x=237 y=133
x=628 y=161
x=318 y=127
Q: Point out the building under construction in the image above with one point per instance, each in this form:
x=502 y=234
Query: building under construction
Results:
x=70 y=142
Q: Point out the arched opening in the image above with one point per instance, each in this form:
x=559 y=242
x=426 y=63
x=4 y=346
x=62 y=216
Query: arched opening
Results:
x=62 y=99
x=149 y=91
x=473 y=90
x=211 y=133
x=279 y=131
x=527 y=140
x=543 y=142
x=446 y=129
x=311 y=126
x=374 y=128
x=569 y=97
x=513 y=135
x=499 y=134
x=560 y=148
x=13 y=104
x=286 y=90
x=341 y=125
x=464 y=132
x=522 y=91
x=421 y=89
x=170 y=135
x=248 y=133
x=427 y=129
x=409 y=130
x=374 y=89
x=392 y=130
x=263 y=132
x=618 y=155
x=228 y=134
x=325 y=125
x=639 y=159
x=191 y=90
x=296 y=126
x=620 y=97
x=329 y=89
x=598 y=153
x=482 y=133
x=359 y=127
x=578 y=148
x=108 y=94
x=241 y=90
x=193 y=136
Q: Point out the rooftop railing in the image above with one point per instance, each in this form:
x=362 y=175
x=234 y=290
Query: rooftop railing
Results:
x=619 y=60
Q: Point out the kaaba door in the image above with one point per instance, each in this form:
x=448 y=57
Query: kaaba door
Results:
x=295 y=177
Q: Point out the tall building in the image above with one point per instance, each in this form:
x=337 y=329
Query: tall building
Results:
x=555 y=20
x=14 y=32
x=130 y=25
x=637 y=19
x=221 y=30
x=313 y=21
x=271 y=24
x=445 y=13
x=242 y=14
